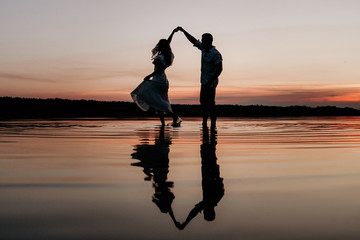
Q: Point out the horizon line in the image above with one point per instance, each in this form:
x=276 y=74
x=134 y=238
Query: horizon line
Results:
x=195 y=104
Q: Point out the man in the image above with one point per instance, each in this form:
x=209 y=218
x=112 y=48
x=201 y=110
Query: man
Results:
x=211 y=68
x=212 y=183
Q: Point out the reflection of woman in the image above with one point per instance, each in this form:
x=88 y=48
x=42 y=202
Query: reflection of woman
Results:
x=154 y=93
x=212 y=183
x=155 y=161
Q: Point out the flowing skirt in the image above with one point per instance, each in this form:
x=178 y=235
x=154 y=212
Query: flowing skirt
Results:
x=150 y=94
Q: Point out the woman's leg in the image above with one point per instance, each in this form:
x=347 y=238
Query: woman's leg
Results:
x=176 y=119
x=174 y=116
x=162 y=120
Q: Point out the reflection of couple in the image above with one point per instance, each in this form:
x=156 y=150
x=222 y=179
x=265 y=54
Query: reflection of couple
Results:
x=154 y=94
x=154 y=159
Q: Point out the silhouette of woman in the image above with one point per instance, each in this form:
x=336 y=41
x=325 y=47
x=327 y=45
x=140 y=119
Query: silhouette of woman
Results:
x=154 y=94
x=155 y=161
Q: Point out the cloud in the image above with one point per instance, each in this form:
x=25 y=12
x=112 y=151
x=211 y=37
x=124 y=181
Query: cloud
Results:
x=71 y=69
x=23 y=77
x=292 y=95
x=69 y=74
x=317 y=95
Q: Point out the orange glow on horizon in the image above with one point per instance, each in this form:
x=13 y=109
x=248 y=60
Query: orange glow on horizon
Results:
x=262 y=95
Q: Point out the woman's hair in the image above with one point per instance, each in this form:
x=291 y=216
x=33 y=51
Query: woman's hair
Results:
x=163 y=47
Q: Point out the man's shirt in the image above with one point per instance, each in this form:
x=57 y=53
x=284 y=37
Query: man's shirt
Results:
x=209 y=60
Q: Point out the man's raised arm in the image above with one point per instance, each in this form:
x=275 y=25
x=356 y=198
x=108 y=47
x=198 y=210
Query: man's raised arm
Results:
x=187 y=35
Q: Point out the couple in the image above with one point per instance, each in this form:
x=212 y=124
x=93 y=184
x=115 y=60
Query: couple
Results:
x=154 y=93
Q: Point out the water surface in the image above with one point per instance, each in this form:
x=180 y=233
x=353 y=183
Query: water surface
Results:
x=275 y=178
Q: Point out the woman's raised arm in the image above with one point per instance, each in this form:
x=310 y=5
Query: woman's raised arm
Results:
x=172 y=34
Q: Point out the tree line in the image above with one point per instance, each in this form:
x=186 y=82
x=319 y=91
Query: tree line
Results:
x=15 y=107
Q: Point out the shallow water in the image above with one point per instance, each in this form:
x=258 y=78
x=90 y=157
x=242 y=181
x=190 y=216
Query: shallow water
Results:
x=275 y=178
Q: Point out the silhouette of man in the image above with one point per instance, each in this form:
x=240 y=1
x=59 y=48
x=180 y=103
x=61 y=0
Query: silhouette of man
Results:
x=212 y=183
x=211 y=68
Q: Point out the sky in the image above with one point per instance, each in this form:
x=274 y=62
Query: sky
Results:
x=275 y=52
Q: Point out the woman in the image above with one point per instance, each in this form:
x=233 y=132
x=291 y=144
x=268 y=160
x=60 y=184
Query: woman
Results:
x=154 y=93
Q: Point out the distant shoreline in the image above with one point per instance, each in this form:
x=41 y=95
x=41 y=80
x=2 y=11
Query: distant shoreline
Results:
x=25 y=108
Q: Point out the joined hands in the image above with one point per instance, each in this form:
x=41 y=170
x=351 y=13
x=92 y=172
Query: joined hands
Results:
x=178 y=29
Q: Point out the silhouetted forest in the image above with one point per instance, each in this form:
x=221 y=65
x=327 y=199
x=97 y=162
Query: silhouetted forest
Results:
x=13 y=107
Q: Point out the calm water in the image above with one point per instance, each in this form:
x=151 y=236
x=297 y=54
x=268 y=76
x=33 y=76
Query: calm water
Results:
x=130 y=179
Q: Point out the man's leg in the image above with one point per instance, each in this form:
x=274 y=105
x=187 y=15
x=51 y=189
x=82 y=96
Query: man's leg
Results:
x=204 y=102
x=212 y=107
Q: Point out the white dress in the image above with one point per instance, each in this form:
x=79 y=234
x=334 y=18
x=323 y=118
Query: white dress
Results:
x=154 y=93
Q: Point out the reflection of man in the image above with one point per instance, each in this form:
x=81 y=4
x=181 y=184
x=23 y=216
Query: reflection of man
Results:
x=212 y=183
x=155 y=161
x=211 y=68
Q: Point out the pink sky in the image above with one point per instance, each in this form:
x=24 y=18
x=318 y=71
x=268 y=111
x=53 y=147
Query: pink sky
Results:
x=275 y=52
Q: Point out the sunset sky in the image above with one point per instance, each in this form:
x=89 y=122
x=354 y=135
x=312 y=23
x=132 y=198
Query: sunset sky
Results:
x=275 y=52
